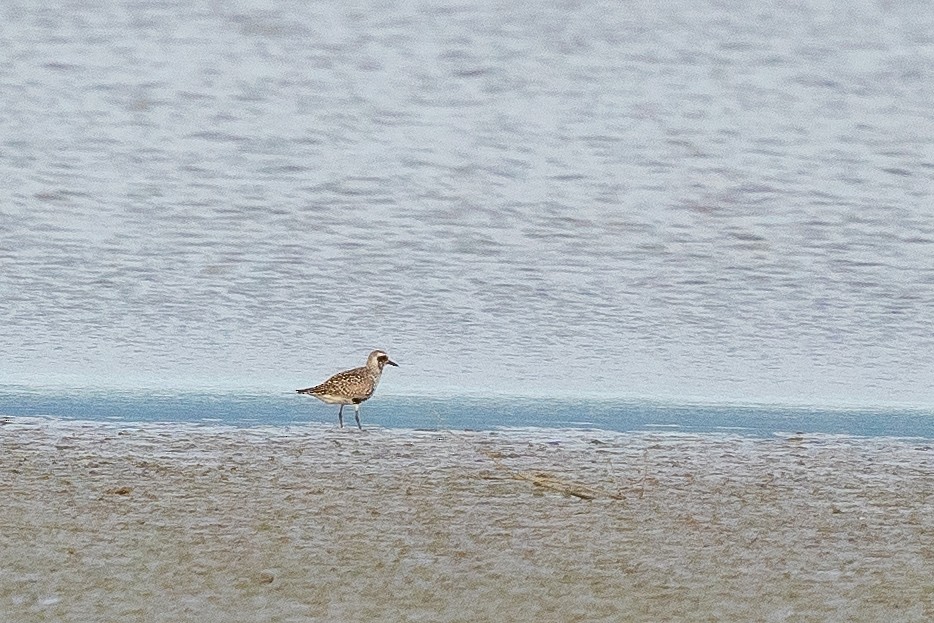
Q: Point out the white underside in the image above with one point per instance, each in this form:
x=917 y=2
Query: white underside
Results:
x=333 y=400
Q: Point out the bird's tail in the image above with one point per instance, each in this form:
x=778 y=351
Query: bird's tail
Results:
x=307 y=390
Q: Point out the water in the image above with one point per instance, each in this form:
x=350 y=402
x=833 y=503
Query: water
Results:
x=598 y=199
x=299 y=413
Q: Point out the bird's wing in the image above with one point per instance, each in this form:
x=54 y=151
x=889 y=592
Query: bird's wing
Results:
x=354 y=383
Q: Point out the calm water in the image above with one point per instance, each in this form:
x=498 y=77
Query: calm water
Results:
x=713 y=202
x=300 y=413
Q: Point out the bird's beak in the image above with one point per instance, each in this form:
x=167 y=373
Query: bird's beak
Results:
x=392 y=363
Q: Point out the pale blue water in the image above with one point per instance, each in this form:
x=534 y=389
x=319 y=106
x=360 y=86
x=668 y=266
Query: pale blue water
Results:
x=474 y=413
x=594 y=201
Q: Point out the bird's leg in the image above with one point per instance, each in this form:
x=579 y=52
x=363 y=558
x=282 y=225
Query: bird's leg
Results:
x=340 y=416
x=356 y=414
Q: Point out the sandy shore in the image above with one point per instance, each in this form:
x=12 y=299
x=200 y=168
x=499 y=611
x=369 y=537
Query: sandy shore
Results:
x=104 y=522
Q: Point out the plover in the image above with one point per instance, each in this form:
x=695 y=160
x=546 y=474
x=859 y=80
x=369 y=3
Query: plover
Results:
x=351 y=387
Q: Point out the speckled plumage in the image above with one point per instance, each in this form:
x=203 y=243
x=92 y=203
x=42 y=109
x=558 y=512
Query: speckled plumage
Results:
x=351 y=387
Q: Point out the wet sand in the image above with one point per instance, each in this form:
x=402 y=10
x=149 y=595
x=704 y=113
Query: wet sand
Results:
x=105 y=522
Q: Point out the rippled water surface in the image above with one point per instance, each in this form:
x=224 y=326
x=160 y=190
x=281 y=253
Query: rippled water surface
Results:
x=708 y=201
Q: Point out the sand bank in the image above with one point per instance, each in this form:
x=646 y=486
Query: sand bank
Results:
x=103 y=522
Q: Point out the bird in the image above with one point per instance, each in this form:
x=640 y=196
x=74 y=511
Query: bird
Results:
x=351 y=387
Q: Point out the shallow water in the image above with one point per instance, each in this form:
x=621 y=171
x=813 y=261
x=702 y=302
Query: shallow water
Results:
x=296 y=413
x=704 y=202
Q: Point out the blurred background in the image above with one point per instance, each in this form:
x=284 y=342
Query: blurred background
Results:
x=719 y=201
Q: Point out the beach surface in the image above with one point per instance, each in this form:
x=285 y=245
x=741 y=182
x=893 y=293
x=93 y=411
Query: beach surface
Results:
x=153 y=522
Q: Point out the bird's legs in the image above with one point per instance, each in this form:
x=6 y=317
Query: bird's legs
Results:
x=340 y=416
x=356 y=414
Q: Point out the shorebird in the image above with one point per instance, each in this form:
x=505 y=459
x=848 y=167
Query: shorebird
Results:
x=351 y=387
